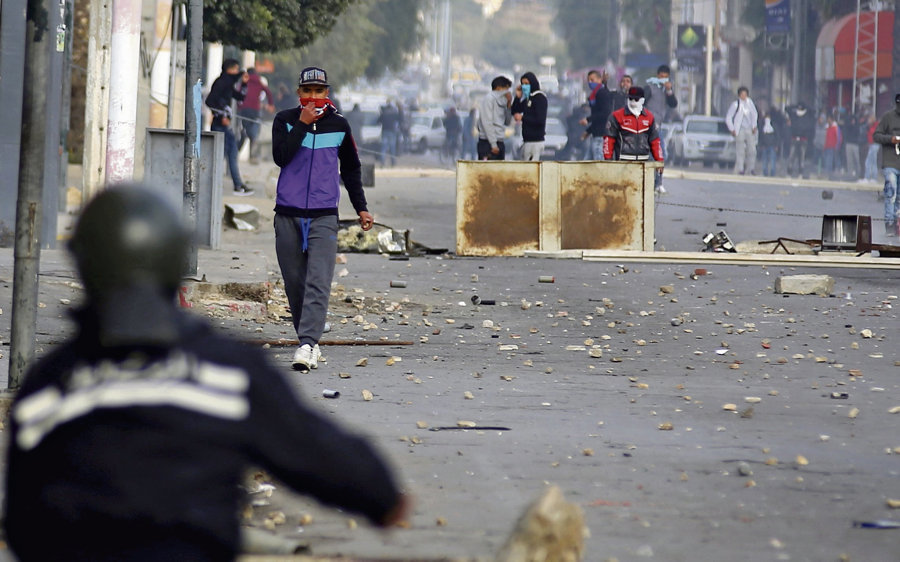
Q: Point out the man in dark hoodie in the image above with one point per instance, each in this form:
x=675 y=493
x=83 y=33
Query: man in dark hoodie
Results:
x=231 y=84
x=600 y=100
x=530 y=108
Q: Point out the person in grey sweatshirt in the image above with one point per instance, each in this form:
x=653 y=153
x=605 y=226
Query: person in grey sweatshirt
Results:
x=493 y=117
x=887 y=134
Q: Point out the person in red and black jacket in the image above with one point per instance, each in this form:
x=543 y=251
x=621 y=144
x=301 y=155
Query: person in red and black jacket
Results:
x=634 y=130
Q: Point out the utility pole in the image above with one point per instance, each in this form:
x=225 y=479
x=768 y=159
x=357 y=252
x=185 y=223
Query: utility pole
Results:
x=123 y=89
x=27 y=250
x=193 y=98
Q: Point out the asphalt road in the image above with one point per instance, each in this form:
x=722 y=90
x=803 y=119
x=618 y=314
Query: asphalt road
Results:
x=638 y=436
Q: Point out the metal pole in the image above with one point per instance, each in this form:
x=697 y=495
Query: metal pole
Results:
x=707 y=94
x=173 y=57
x=797 y=23
x=856 y=58
x=193 y=98
x=27 y=252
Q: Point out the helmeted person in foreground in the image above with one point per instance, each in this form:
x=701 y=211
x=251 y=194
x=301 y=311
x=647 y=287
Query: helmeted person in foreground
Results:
x=129 y=440
x=633 y=129
x=314 y=147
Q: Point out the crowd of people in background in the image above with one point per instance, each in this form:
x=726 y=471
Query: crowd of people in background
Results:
x=796 y=141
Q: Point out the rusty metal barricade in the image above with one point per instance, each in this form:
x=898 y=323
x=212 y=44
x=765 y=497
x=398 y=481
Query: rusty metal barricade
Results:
x=505 y=208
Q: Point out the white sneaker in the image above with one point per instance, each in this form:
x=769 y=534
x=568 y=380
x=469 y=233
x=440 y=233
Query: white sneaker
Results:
x=660 y=189
x=306 y=358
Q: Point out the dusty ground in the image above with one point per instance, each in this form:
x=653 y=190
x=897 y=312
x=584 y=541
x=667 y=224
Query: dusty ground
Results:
x=690 y=418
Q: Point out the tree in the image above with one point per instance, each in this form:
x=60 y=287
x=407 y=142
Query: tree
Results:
x=358 y=44
x=399 y=32
x=269 y=25
x=649 y=23
x=577 y=23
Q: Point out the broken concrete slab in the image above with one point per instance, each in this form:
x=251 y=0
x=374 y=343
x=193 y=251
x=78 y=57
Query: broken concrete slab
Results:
x=241 y=216
x=804 y=284
x=550 y=529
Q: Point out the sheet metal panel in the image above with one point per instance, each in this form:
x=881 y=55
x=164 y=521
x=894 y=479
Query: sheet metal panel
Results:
x=497 y=208
x=601 y=205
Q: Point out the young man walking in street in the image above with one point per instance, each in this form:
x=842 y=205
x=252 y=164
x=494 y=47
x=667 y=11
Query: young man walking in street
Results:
x=314 y=147
x=493 y=117
x=231 y=84
x=887 y=134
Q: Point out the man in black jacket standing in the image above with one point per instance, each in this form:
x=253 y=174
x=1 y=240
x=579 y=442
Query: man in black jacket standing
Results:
x=530 y=108
x=129 y=440
x=600 y=99
x=231 y=84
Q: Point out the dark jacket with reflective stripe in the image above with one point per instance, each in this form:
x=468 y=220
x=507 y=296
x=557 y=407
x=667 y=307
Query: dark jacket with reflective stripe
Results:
x=137 y=453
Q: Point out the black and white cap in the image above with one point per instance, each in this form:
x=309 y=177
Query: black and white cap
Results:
x=313 y=75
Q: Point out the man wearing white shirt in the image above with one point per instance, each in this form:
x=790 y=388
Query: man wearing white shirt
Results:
x=741 y=120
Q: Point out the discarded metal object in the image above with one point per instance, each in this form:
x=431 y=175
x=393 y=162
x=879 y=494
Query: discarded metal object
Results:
x=398 y=283
x=847 y=232
x=546 y=279
x=718 y=242
x=331 y=393
x=840 y=395
x=476 y=300
x=779 y=243
x=476 y=427
x=281 y=342
x=878 y=524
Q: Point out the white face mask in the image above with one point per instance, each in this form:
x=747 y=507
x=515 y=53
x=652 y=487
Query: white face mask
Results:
x=636 y=106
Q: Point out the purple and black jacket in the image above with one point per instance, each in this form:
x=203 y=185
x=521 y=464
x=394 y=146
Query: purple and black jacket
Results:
x=310 y=157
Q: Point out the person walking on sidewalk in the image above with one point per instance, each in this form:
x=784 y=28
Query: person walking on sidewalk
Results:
x=231 y=84
x=768 y=143
x=887 y=134
x=250 y=112
x=741 y=120
x=493 y=117
x=314 y=147
x=129 y=440
x=530 y=108
x=874 y=147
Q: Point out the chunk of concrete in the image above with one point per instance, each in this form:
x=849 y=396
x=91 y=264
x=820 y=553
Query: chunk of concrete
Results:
x=550 y=529
x=804 y=284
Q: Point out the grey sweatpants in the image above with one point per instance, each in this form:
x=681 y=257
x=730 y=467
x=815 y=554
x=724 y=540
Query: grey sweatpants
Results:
x=307 y=275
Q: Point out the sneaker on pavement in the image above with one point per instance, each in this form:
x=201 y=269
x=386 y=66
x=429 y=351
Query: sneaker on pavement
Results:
x=660 y=189
x=316 y=357
x=243 y=191
x=305 y=358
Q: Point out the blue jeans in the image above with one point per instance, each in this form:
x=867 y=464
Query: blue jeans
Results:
x=389 y=146
x=829 y=161
x=596 y=149
x=231 y=153
x=891 y=201
x=872 y=162
x=657 y=178
x=768 y=160
x=249 y=130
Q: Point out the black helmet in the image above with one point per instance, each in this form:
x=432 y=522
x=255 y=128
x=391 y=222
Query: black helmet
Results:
x=129 y=235
x=131 y=248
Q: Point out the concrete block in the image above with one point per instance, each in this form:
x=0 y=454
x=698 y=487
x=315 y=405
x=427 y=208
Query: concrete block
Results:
x=804 y=284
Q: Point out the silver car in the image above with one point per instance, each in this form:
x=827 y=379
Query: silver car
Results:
x=701 y=138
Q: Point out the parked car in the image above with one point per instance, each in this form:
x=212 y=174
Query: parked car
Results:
x=704 y=139
x=426 y=130
x=554 y=138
